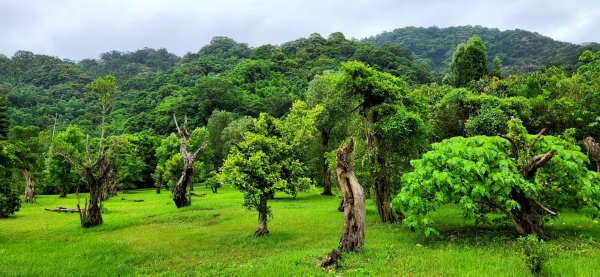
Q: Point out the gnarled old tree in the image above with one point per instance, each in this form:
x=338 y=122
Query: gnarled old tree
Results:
x=179 y=191
x=523 y=177
x=593 y=151
x=95 y=171
x=353 y=234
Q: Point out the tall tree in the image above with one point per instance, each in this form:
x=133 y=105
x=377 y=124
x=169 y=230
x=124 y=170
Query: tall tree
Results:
x=469 y=62
x=179 y=196
x=29 y=152
x=3 y=116
x=394 y=124
x=332 y=123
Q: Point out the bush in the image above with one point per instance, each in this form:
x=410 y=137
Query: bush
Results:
x=10 y=202
x=536 y=252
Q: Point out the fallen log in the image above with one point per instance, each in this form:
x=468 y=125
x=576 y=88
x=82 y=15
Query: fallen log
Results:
x=62 y=210
x=133 y=200
x=198 y=194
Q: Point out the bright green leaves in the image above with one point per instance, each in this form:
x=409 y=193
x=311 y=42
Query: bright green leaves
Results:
x=478 y=173
x=267 y=159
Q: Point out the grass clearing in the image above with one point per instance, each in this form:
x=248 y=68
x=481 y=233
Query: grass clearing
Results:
x=214 y=237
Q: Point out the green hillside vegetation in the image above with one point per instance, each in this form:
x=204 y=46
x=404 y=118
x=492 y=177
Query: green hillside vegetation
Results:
x=520 y=50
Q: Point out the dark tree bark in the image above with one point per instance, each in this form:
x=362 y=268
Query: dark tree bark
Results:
x=528 y=218
x=179 y=191
x=109 y=189
x=326 y=181
x=159 y=182
x=593 y=151
x=353 y=234
x=29 y=189
x=381 y=187
x=263 y=213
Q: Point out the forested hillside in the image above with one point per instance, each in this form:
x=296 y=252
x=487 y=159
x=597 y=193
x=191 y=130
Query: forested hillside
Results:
x=519 y=50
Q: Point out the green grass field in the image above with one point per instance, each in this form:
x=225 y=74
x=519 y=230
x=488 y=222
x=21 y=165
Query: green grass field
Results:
x=214 y=237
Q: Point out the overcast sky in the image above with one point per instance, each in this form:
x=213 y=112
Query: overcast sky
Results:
x=77 y=29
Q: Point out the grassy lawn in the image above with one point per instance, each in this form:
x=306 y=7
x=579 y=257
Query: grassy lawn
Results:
x=214 y=236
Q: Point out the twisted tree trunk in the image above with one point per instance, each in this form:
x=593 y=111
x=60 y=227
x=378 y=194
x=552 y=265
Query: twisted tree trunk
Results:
x=593 y=151
x=179 y=191
x=528 y=218
x=29 y=189
x=263 y=213
x=353 y=234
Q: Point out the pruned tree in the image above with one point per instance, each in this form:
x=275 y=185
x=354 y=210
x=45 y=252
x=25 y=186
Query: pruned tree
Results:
x=95 y=171
x=593 y=151
x=353 y=234
x=525 y=178
x=179 y=191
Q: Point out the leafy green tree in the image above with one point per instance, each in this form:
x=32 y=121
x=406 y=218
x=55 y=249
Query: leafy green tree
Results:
x=394 y=121
x=4 y=122
x=525 y=178
x=496 y=67
x=10 y=202
x=469 y=62
x=261 y=164
x=29 y=156
x=217 y=122
x=332 y=123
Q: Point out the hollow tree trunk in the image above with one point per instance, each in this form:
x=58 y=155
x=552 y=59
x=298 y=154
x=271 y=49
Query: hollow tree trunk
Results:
x=29 y=190
x=353 y=234
x=263 y=212
x=159 y=182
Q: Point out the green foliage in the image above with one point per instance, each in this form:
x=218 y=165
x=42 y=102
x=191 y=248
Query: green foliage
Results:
x=536 y=252
x=469 y=62
x=4 y=122
x=489 y=122
x=10 y=202
x=478 y=174
x=266 y=160
x=521 y=50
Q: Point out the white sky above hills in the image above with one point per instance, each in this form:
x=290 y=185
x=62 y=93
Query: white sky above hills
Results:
x=77 y=29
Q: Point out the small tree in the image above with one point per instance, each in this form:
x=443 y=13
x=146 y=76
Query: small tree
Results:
x=28 y=151
x=260 y=165
x=523 y=177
